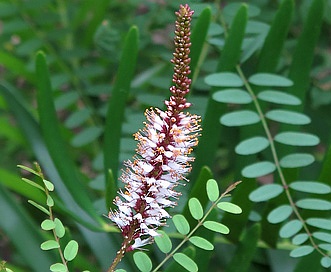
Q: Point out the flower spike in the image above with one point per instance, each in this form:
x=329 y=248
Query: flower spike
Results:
x=162 y=159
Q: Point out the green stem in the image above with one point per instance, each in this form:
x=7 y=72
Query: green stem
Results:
x=51 y=217
x=200 y=222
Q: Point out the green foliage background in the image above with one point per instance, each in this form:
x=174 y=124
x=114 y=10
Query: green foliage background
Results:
x=74 y=108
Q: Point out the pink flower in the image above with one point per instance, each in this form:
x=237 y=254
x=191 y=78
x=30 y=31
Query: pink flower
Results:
x=163 y=154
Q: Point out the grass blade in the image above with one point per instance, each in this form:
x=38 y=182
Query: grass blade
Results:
x=117 y=102
x=304 y=52
x=272 y=47
x=245 y=251
x=211 y=128
x=54 y=140
x=198 y=38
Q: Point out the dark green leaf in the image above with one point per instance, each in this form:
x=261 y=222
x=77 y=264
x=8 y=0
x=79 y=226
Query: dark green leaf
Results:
x=224 y=79
x=86 y=136
x=71 y=250
x=310 y=187
x=215 y=29
x=314 y=204
x=116 y=106
x=198 y=38
x=212 y=190
x=280 y=214
x=195 y=208
x=209 y=142
x=290 y=228
x=142 y=261
x=77 y=118
x=243 y=256
x=305 y=50
x=265 y=79
x=252 y=146
x=163 y=242
x=251 y=45
x=258 y=169
x=297 y=160
x=55 y=143
x=272 y=49
x=278 y=97
x=232 y=8
x=301 y=251
x=185 y=262
x=297 y=139
x=266 y=192
x=234 y=96
x=240 y=118
x=201 y=243
x=65 y=100
x=288 y=117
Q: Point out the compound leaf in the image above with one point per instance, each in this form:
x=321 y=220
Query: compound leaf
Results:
x=201 y=243
x=234 y=96
x=297 y=160
x=212 y=190
x=229 y=207
x=266 y=79
x=290 y=228
x=185 y=262
x=319 y=223
x=314 y=204
x=310 y=187
x=258 y=169
x=280 y=214
x=266 y=192
x=217 y=227
x=278 y=97
x=288 y=117
x=240 y=118
x=297 y=139
x=163 y=242
x=301 y=251
x=195 y=208
x=71 y=250
x=50 y=244
x=300 y=238
x=142 y=261
x=224 y=79
x=252 y=145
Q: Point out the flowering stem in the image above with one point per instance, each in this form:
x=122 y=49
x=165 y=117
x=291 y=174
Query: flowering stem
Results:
x=162 y=159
